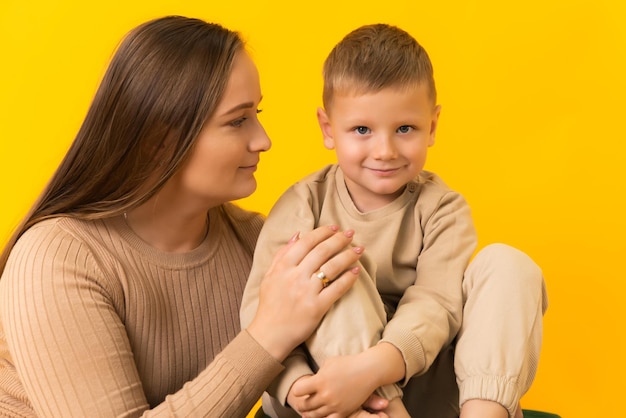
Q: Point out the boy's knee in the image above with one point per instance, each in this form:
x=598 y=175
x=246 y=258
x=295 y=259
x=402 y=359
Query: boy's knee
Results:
x=508 y=266
x=503 y=251
x=512 y=260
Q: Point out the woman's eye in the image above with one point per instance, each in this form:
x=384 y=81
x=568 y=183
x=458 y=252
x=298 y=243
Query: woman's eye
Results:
x=404 y=129
x=238 y=122
x=362 y=130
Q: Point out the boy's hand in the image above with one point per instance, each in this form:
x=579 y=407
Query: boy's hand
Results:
x=297 y=403
x=374 y=406
x=340 y=387
x=364 y=414
x=375 y=403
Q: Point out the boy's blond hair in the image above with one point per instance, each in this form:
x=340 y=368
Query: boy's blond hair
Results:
x=374 y=57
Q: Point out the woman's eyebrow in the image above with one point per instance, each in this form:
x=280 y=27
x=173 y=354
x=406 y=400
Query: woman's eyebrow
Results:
x=240 y=106
x=245 y=105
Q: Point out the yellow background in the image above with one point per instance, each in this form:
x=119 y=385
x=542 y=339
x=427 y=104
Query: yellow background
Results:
x=532 y=133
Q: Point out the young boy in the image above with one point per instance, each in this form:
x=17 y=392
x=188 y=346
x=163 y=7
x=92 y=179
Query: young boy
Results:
x=418 y=316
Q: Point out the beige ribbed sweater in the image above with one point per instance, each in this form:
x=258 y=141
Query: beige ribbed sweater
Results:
x=94 y=322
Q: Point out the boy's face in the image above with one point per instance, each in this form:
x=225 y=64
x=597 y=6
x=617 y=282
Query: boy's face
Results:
x=381 y=140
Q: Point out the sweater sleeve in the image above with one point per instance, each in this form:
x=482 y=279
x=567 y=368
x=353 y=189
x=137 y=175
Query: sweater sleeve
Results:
x=428 y=315
x=292 y=213
x=71 y=350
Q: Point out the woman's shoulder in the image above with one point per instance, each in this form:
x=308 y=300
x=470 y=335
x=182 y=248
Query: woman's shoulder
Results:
x=68 y=229
x=58 y=228
x=64 y=245
x=58 y=238
x=245 y=224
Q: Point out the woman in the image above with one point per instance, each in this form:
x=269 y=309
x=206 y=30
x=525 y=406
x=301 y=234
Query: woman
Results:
x=120 y=290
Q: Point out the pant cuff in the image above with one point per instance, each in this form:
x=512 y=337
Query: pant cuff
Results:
x=500 y=389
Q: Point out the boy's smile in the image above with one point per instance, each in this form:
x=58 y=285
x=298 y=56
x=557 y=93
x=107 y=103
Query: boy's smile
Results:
x=381 y=140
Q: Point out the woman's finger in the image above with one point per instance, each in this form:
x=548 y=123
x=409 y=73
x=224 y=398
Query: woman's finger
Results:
x=338 y=264
x=331 y=294
x=297 y=249
x=328 y=255
x=299 y=287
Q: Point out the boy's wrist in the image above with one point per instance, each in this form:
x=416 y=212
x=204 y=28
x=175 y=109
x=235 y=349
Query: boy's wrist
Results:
x=385 y=353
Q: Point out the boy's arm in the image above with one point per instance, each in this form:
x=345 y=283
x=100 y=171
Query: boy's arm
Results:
x=291 y=213
x=429 y=313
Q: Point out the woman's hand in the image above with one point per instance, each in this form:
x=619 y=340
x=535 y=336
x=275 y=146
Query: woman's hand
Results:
x=294 y=295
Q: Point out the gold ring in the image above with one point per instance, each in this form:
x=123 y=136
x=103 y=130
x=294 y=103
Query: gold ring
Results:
x=322 y=276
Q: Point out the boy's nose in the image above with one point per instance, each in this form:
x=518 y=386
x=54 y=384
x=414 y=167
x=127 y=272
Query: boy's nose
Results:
x=384 y=148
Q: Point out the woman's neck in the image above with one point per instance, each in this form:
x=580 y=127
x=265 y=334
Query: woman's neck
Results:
x=173 y=231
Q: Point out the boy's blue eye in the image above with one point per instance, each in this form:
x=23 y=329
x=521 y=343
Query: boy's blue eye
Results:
x=362 y=130
x=404 y=129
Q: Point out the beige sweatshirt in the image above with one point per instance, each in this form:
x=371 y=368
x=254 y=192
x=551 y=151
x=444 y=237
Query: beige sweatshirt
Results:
x=96 y=323
x=416 y=251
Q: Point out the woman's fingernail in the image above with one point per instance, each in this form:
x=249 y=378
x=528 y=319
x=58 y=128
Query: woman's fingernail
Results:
x=294 y=238
x=349 y=233
x=334 y=227
x=355 y=270
x=358 y=250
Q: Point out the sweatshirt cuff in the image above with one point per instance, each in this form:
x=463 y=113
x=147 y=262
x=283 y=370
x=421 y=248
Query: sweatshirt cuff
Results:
x=412 y=352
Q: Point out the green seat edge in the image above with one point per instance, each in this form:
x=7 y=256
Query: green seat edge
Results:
x=528 y=413
x=531 y=413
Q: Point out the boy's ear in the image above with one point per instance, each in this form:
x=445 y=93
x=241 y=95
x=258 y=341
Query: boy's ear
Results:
x=325 y=126
x=433 y=125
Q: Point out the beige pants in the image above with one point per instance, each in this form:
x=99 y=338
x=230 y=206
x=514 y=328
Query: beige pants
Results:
x=493 y=357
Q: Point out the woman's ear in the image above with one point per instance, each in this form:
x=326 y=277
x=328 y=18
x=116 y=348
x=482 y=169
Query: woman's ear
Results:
x=326 y=127
x=433 y=125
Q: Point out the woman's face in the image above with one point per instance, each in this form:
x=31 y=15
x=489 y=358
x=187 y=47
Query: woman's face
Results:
x=227 y=151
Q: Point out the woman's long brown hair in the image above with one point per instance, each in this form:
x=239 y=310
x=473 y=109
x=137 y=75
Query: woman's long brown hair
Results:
x=165 y=79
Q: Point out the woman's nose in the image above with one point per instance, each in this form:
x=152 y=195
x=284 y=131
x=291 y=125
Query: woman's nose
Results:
x=260 y=141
